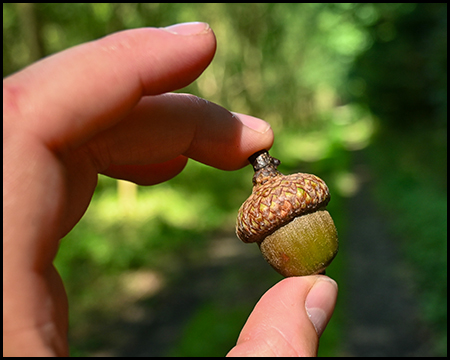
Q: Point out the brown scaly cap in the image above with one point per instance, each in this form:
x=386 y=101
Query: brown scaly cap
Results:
x=277 y=199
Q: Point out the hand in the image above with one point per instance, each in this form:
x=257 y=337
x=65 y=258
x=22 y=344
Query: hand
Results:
x=98 y=108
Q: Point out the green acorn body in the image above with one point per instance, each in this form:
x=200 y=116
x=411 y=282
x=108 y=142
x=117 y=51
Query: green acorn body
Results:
x=286 y=216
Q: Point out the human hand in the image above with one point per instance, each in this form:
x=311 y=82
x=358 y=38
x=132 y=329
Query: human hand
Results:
x=102 y=107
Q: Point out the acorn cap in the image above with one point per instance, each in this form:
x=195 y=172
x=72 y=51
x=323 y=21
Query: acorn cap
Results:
x=277 y=199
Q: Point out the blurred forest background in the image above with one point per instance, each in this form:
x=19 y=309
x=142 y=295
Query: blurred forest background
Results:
x=355 y=93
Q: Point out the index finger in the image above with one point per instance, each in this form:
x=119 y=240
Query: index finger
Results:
x=67 y=98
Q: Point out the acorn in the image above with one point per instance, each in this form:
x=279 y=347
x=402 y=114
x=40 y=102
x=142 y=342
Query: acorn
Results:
x=286 y=216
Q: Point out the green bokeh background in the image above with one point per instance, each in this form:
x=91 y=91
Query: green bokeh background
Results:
x=158 y=270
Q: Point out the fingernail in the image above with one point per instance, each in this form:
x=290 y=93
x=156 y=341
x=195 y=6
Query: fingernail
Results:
x=188 y=28
x=320 y=302
x=253 y=123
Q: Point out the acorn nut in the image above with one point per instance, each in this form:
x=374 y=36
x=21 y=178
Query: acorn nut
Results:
x=286 y=216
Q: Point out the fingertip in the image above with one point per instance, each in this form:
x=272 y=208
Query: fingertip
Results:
x=188 y=28
x=257 y=135
x=320 y=302
x=279 y=325
x=253 y=123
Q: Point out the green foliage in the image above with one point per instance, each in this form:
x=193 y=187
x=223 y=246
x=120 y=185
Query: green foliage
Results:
x=211 y=331
x=403 y=72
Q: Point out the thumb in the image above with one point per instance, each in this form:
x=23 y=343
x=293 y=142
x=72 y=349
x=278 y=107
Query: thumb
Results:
x=289 y=319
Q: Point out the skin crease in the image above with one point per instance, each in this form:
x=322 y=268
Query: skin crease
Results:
x=103 y=107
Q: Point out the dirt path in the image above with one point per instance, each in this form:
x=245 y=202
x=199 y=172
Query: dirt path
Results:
x=382 y=309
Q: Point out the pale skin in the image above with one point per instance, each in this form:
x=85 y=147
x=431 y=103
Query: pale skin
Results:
x=104 y=107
